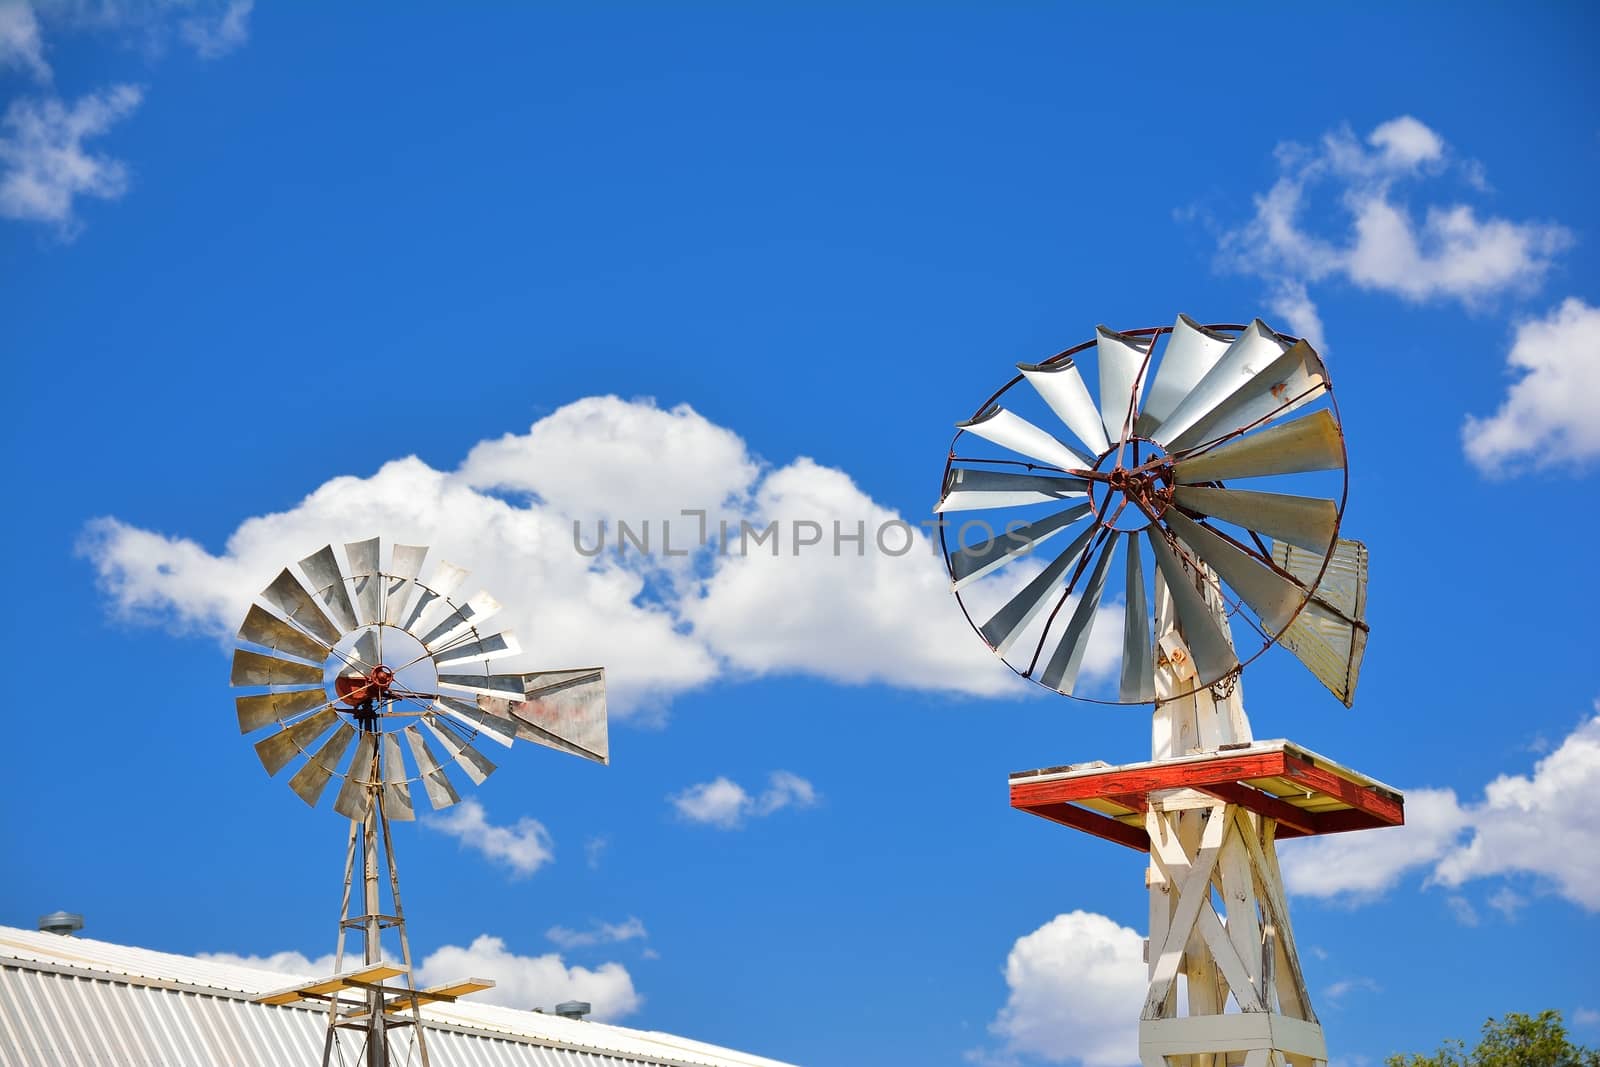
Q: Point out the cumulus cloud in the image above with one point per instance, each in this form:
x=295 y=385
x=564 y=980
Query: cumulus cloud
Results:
x=513 y=513
x=44 y=165
x=21 y=47
x=288 y=964
x=601 y=933
x=524 y=846
x=1546 y=420
x=1076 y=986
x=213 y=34
x=1533 y=824
x=725 y=804
x=1338 y=211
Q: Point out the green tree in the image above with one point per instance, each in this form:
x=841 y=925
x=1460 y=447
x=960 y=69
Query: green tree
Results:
x=1515 y=1041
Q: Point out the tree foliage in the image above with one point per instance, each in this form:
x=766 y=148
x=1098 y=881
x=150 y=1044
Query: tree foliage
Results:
x=1516 y=1040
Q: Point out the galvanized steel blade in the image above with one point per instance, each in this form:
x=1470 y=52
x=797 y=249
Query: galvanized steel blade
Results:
x=366 y=649
x=1191 y=351
x=1311 y=443
x=1213 y=654
x=404 y=566
x=1270 y=595
x=436 y=591
x=322 y=570
x=968 y=564
x=1010 y=430
x=441 y=794
x=474 y=612
x=565 y=710
x=967 y=489
x=355 y=796
x=494 y=685
x=470 y=760
x=495 y=646
x=1061 y=387
x=1254 y=349
x=310 y=780
x=363 y=559
x=1138 y=658
x=1307 y=521
x=255 y=668
x=1002 y=630
x=1292 y=380
x=290 y=597
x=1122 y=362
x=277 y=750
x=495 y=727
x=1329 y=635
x=261 y=627
x=1061 y=673
x=268 y=708
x=396 y=794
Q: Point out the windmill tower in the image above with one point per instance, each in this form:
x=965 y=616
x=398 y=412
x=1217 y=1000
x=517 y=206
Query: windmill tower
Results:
x=373 y=659
x=1140 y=487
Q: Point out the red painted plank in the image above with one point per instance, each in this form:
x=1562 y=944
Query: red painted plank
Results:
x=1148 y=779
x=1386 y=810
x=1262 y=804
x=1094 y=823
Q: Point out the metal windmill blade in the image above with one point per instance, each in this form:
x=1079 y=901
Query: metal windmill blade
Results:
x=371 y=678
x=1207 y=459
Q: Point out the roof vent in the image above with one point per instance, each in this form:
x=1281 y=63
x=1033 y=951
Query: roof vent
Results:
x=573 y=1009
x=61 y=922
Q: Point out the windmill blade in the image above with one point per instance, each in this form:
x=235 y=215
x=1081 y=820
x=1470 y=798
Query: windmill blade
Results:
x=441 y=794
x=276 y=751
x=1191 y=351
x=1213 y=654
x=323 y=571
x=1329 y=635
x=268 y=708
x=396 y=793
x=1292 y=380
x=1061 y=387
x=966 y=489
x=967 y=565
x=253 y=668
x=495 y=646
x=309 y=781
x=1061 y=673
x=355 y=796
x=469 y=759
x=495 y=727
x=1255 y=348
x=1273 y=598
x=404 y=567
x=1307 y=521
x=365 y=652
x=1009 y=430
x=564 y=710
x=493 y=685
x=1007 y=624
x=363 y=559
x=290 y=597
x=1310 y=443
x=446 y=579
x=1122 y=361
x=467 y=616
x=261 y=627
x=1138 y=656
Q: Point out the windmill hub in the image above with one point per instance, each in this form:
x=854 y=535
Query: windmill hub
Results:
x=1131 y=486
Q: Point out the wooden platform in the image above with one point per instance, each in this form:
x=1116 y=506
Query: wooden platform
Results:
x=1306 y=793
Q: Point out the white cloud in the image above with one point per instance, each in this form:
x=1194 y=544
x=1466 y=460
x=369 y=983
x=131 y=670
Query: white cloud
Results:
x=1364 y=231
x=288 y=964
x=529 y=982
x=21 y=47
x=594 y=849
x=1462 y=909
x=1508 y=902
x=524 y=846
x=725 y=804
x=1547 y=419
x=216 y=33
x=1341 y=989
x=876 y=617
x=1076 y=986
x=1526 y=824
x=601 y=933
x=43 y=162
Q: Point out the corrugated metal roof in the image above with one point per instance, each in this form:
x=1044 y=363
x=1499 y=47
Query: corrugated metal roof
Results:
x=71 y=1001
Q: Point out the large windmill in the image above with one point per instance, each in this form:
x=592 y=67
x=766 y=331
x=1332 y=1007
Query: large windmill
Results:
x=1130 y=495
x=373 y=660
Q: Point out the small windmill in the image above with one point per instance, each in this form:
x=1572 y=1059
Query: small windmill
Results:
x=375 y=660
x=1045 y=532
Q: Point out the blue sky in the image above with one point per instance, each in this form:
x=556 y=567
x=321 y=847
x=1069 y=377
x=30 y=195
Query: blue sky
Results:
x=278 y=276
